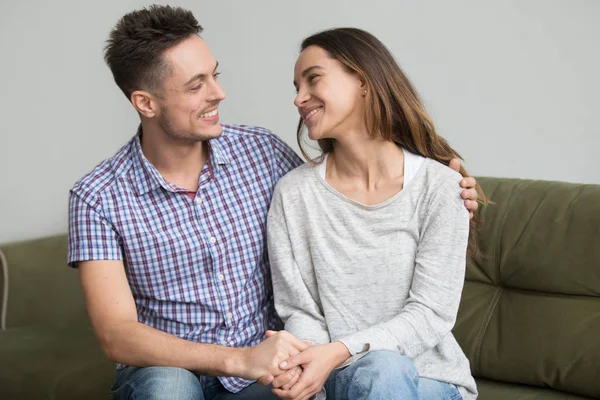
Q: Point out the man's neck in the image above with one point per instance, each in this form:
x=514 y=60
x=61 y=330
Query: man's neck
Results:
x=178 y=161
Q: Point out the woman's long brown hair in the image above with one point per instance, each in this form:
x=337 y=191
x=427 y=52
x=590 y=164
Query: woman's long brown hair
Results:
x=394 y=111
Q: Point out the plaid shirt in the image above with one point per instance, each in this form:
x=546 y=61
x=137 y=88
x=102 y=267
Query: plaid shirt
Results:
x=198 y=269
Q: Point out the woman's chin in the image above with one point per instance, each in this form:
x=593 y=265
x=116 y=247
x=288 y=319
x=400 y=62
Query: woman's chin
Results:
x=314 y=134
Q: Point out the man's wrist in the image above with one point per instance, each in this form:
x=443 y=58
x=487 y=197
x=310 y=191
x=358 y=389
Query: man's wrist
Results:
x=232 y=361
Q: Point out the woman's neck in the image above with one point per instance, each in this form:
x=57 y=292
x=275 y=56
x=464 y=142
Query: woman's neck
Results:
x=366 y=162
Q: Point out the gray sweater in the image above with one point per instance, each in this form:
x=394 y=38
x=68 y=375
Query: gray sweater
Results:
x=382 y=277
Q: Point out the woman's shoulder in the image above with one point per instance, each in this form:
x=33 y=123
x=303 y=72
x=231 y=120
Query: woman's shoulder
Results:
x=440 y=177
x=297 y=178
x=294 y=189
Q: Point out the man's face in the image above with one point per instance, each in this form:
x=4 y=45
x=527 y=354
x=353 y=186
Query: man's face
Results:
x=191 y=93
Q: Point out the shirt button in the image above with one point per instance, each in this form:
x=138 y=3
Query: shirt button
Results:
x=220 y=277
x=213 y=240
x=229 y=316
x=198 y=201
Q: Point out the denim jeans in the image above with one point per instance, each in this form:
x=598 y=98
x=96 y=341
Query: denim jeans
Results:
x=166 y=383
x=385 y=375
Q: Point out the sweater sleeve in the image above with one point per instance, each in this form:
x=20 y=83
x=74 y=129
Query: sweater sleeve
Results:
x=294 y=303
x=430 y=310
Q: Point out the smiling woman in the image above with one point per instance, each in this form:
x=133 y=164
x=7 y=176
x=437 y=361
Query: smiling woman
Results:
x=367 y=244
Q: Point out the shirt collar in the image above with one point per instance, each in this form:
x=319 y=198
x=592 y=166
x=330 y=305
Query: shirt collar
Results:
x=219 y=150
x=147 y=177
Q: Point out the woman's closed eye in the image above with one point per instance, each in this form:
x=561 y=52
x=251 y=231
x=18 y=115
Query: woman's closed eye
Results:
x=312 y=79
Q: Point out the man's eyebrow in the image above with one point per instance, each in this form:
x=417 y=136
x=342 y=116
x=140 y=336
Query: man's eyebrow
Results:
x=200 y=76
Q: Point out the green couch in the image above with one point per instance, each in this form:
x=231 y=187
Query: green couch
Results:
x=530 y=310
x=48 y=350
x=529 y=320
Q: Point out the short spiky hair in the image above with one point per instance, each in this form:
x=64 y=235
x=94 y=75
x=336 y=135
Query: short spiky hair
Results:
x=134 y=50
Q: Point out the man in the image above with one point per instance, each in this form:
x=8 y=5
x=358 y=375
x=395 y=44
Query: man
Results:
x=168 y=234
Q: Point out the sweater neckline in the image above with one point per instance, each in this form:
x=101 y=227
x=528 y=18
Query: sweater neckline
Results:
x=384 y=203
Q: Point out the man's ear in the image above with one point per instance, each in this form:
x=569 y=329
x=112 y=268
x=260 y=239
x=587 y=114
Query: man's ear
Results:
x=145 y=103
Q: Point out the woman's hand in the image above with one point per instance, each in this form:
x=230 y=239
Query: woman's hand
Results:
x=287 y=379
x=317 y=363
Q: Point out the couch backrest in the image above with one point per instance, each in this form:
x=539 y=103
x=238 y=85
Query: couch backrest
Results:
x=42 y=288
x=530 y=311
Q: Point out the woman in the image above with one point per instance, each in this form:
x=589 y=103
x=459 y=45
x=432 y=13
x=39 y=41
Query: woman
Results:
x=367 y=247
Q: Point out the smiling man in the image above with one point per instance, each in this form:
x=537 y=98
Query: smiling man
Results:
x=168 y=234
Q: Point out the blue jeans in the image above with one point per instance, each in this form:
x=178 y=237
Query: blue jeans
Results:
x=385 y=375
x=162 y=383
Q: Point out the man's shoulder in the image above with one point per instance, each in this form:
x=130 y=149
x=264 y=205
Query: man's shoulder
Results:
x=244 y=142
x=244 y=135
x=236 y=132
x=105 y=174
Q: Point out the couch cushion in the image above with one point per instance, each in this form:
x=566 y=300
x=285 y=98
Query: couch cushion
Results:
x=530 y=311
x=42 y=288
x=490 y=390
x=60 y=363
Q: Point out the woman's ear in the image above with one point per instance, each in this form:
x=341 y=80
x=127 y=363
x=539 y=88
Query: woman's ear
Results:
x=363 y=86
x=363 y=89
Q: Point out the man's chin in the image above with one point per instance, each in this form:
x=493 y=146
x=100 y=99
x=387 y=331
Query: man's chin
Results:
x=213 y=132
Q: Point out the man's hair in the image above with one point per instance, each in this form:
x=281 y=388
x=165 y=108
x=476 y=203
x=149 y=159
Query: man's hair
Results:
x=135 y=48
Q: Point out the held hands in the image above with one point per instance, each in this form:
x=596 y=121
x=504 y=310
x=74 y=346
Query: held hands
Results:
x=264 y=359
x=468 y=183
x=287 y=379
x=317 y=362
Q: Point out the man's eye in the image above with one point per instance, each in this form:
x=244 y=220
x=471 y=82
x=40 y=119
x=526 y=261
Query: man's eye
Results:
x=216 y=75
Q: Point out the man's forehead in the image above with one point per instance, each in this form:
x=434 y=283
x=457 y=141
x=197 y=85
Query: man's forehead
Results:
x=191 y=51
x=190 y=58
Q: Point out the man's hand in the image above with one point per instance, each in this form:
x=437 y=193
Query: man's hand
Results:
x=317 y=363
x=287 y=379
x=264 y=358
x=468 y=183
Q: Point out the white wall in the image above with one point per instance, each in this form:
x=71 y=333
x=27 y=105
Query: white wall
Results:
x=513 y=84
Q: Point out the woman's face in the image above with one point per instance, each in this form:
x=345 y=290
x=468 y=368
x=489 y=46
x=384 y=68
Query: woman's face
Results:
x=330 y=99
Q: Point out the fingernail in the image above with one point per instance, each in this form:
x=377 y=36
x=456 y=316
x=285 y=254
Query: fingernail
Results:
x=283 y=364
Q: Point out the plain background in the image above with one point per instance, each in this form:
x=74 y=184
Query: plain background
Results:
x=514 y=85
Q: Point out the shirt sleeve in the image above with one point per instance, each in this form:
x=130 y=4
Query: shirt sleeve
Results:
x=91 y=236
x=284 y=158
x=294 y=303
x=431 y=308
